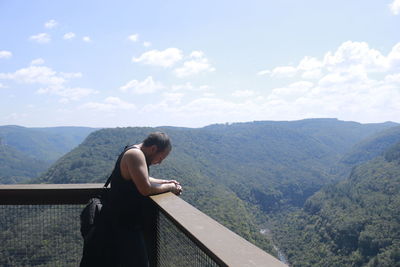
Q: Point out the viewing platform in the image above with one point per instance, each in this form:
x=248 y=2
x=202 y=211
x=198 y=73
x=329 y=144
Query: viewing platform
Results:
x=39 y=226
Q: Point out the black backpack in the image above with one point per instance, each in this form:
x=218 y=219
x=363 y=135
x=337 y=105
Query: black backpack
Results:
x=96 y=235
x=91 y=213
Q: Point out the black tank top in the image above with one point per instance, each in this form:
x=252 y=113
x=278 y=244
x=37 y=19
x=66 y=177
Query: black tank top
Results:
x=125 y=200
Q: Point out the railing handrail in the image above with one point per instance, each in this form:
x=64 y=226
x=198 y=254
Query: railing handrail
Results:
x=47 y=194
x=226 y=246
x=223 y=245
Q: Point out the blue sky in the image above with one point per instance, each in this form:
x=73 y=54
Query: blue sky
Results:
x=194 y=63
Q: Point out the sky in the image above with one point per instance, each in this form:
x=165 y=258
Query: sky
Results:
x=196 y=63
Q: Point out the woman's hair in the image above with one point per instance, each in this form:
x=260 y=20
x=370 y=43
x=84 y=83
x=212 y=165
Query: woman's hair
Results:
x=160 y=139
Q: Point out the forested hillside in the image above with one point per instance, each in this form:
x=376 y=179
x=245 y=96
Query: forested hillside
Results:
x=266 y=163
x=16 y=167
x=27 y=152
x=237 y=173
x=367 y=149
x=46 y=144
x=259 y=175
x=353 y=223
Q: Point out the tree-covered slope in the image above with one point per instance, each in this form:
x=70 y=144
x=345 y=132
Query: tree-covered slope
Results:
x=231 y=172
x=353 y=223
x=340 y=135
x=16 y=167
x=27 y=152
x=367 y=149
x=271 y=164
x=45 y=144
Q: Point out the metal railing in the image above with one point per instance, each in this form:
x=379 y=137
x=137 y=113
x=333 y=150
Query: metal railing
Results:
x=39 y=226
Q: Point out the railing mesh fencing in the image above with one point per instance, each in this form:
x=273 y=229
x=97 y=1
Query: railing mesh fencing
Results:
x=48 y=236
x=40 y=235
x=175 y=249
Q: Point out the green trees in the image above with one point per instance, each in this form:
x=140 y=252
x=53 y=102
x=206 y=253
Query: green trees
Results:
x=353 y=223
x=27 y=152
x=16 y=167
x=239 y=174
x=252 y=176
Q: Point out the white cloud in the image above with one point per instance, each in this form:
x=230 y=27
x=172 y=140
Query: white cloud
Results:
x=71 y=75
x=38 y=61
x=343 y=86
x=199 y=112
x=86 y=39
x=189 y=87
x=285 y=71
x=133 y=37
x=211 y=106
x=243 y=93
x=183 y=87
x=41 y=38
x=395 y=7
x=16 y=116
x=208 y=95
x=263 y=72
x=69 y=36
x=51 y=24
x=197 y=54
x=109 y=104
x=173 y=98
x=165 y=58
x=146 y=86
x=204 y=87
x=67 y=93
x=5 y=54
x=393 y=78
x=2 y=85
x=292 y=91
x=146 y=44
x=310 y=67
x=354 y=82
x=51 y=82
x=394 y=58
x=197 y=64
x=360 y=100
x=35 y=74
x=354 y=57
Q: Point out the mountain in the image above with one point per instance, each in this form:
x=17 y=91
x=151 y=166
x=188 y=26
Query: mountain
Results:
x=27 y=152
x=46 y=144
x=16 y=167
x=353 y=223
x=237 y=173
x=367 y=149
x=270 y=164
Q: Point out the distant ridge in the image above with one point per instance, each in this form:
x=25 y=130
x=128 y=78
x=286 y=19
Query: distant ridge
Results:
x=241 y=174
x=46 y=144
x=27 y=152
x=366 y=150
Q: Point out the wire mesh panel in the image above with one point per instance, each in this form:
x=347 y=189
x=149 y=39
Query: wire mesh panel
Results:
x=175 y=249
x=40 y=235
x=48 y=235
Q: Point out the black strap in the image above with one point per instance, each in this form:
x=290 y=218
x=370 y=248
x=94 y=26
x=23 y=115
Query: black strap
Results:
x=108 y=180
x=117 y=164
